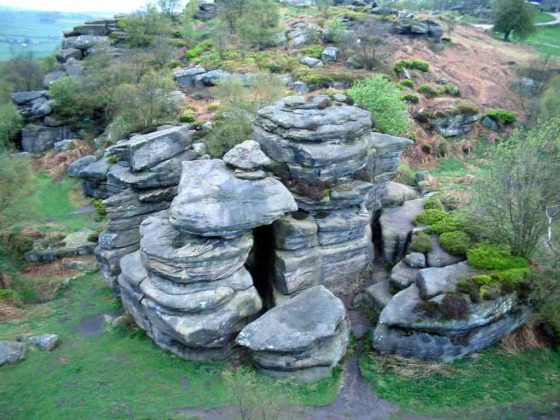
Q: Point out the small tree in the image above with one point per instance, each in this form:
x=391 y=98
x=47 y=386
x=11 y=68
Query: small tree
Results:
x=23 y=73
x=514 y=16
x=260 y=24
x=230 y=11
x=10 y=124
x=519 y=185
x=383 y=99
x=549 y=104
x=143 y=27
x=368 y=44
x=169 y=7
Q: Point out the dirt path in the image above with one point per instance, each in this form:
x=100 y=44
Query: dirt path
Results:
x=355 y=399
x=556 y=21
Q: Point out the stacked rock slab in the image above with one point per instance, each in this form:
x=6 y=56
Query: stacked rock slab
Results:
x=302 y=339
x=410 y=325
x=187 y=286
x=144 y=181
x=325 y=153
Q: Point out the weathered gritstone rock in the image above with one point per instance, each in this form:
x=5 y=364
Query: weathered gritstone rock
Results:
x=142 y=183
x=212 y=201
x=74 y=244
x=12 y=352
x=396 y=228
x=411 y=323
x=302 y=339
x=191 y=294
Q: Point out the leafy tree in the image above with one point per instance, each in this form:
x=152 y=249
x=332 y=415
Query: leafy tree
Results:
x=68 y=97
x=169 y=7
x=514 y=16
x=520 y=183
x=23 y=73
x=239 y=104
x=188 y=20
x=144 y=27
x=383 y=99
x=260 y=24
x=10 y=124
x=230 y=11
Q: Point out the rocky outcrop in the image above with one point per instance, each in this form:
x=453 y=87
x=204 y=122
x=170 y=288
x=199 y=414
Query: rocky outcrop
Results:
x=449 y=117
x=188 y=286
x=143 y=182
x=430 y=320
x=71 y=245
x=302 y=339
x=419 y=28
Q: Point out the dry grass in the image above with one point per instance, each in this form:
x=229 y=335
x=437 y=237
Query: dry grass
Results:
x=409 y=368
x=522 y=339
x=56 y=164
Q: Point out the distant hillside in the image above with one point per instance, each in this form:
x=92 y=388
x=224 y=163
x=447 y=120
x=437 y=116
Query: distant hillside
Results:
x=39 y=32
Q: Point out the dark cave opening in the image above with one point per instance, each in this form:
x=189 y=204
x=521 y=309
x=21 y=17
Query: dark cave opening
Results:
x=261 y=263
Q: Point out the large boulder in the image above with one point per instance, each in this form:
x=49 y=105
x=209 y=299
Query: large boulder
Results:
x=38 y=139
x=212 y=201
x=302 y=339
x=12 y=352
x=434 y=281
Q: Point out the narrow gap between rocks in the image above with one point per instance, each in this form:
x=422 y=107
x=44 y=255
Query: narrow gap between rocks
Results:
x=260 y=263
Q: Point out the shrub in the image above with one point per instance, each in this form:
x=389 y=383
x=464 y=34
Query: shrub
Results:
x=10 y=124
x=144 y=27
x=433 y=203
x=10 y=295
x=67 y=94
x=429 y=217
x=16 y=179
x=466 y=108
x=428 y=90
x=421 y=242
x=492 y=257
x=455 y=242
x=407 y=83
x=382 y=98
x=453 y=221
x=414 y=64
x=325 y=77
x=545 y=297
x=100 y=208
x=275 y=62
x=199 y=48
x=411 y=98
x=314 y=51
x=503 y=116
x=260 y=24
x=187 y=117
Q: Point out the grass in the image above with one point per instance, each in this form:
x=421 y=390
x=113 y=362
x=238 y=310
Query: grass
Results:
x=119 y=373
x=488 y=384
x=543 y=17
x=546 y=40
x=49 y=206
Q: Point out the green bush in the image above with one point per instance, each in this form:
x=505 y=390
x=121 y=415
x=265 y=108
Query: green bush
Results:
x=383 y=99
x=466 y=108
x=406 y=83
x=428 y=90
x=187 y=117
x=455 y=242
x=67 y=94
x=10 y=295
x=411 y=98
x=503 y=116
x=492 y=257
x=421 y=242
x=325 y=77
x=429 y=217
x=433 y=203
x=10 y=123
x=414 y=64
x=144 y=27
x=314 y=51
x=199 y=48
x=275 y=62
x=100 y=208
x=453 y=221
